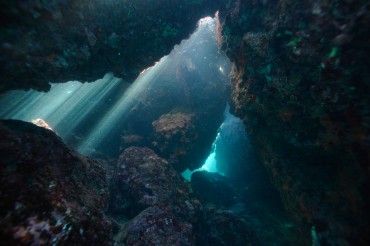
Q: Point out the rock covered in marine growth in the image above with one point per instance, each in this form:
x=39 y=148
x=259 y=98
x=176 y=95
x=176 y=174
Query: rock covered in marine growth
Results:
x=49 y=194
x=301 y=85
x=226 y=227
x=148 y=189
x=174 y=135
x=158 y=225
x=160 y=209
x=145 y=179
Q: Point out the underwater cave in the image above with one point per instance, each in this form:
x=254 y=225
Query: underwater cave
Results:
x=172 y=122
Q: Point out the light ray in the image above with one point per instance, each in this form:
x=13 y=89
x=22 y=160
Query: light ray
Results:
x=63 y=107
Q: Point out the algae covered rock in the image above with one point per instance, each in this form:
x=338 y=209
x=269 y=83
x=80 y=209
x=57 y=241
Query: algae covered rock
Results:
x=49 y=194
x=176 y=137
x=156 y=202
x=159 y=226
x=300 y=84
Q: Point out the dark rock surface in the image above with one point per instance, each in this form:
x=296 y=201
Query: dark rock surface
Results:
x=213 y=188
x=157 y=207
x=49 y=194
x=148 y=190
x=159 y=226
x=301 y=85
x=63 y=40
x=143 y=179
x=225 y=227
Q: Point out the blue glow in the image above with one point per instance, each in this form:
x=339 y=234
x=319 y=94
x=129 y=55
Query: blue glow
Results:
x=231 y=134
x=210 y=165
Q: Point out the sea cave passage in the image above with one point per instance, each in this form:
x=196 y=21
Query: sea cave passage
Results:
x=176 y=112
x=101 y=118
x=184 y=122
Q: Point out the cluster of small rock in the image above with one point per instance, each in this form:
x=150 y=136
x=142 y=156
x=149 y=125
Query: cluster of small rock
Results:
x=161 y=208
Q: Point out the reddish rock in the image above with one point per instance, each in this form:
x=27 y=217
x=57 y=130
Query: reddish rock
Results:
x=169 y=125
x=175 y=135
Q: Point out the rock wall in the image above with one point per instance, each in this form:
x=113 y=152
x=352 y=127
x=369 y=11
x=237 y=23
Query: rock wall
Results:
x=301 y=84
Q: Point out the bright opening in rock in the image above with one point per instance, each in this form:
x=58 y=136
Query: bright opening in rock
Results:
x=185 y=89
x=228 y=149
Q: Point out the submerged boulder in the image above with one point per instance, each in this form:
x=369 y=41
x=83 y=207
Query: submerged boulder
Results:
x=143 y=179
x=156 y=201
x=225 y=227
x=158 y=226
x=176 y=138
x=49 y=194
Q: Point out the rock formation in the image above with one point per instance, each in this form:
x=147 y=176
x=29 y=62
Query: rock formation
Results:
x=49 y=194
x=160 y=209
x=300 y=83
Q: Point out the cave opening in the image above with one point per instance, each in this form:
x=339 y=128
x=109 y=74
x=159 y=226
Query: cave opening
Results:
x=230 y=148
x=90 y=116
x=101 y=162
x=178 y=109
